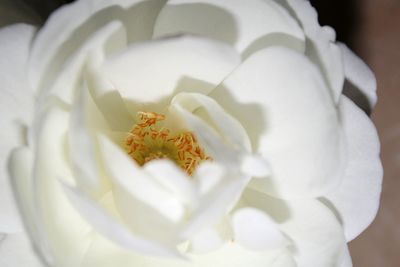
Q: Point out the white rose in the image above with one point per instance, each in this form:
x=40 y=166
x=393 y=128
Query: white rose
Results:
x=187 y=133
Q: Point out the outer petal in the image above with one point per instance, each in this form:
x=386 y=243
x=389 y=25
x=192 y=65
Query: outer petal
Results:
x=105 y=254
x=105 y=40
x=281 y=100
x=316 y=234
x=70 y=26
x=321 y=47
x=346 y=259
x=360 y=76
x=63 y=236
x=357 y=198
x=247 y=25
x=15 y=105
x=15 y=251
x=165 y=67
x=20 y=170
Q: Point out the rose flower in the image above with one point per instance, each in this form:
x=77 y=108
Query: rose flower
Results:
x=184 y=133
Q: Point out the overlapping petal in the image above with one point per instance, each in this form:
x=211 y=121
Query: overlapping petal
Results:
x=16 y=251
x=15 y=108
x=357 y=198
x=83 y=147
x=137 y=192
x=360 y=76
x=109 y=227
x=20 y=169
x=103 y=254
x=153 y=72
x=321 y=48
x=87 y=203
x=301 y=221
x=291 y=120
x=346 y=259
x=69 y=28
x=246 y=25
x=63 y=235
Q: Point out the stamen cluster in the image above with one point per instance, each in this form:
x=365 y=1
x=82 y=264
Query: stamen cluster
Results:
x=148 y=140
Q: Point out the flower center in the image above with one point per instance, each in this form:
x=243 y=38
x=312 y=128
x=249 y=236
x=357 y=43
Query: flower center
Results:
x=148 y=140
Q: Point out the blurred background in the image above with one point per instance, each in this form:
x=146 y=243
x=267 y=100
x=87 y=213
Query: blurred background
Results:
x=372 y=29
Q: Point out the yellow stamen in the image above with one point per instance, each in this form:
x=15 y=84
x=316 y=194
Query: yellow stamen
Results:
x=148 y=141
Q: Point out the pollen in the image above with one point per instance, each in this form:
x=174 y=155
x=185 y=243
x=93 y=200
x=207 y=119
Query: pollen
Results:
x=149 y=140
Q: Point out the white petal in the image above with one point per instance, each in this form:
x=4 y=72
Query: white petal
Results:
x=359 y=75
x=137 y=192
x=357 y=198
x=111 y=228
x=231 y=146
x=207 y=176
x=69 y=27
x=104 y=254
x=247 y=25
x=139 y=184
x=255 y=230
x=78 y=71
x=208 y=137
x=106 y=98
x=173 y=179
x=226 y=125
x=322 y=49
x=346 y=259
x=15 y=105
x=316 y=234
x=212 y=238
x=104 y=41
x=20 y=170
x=280 y=99
x=285 y=259
x=255 y=166
x=206 y=241
x=62 y=233
x=221 y=199
x=82 y=144
x=216 y=204
x=16 y=250
x=226 y=189
x=164 y=67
